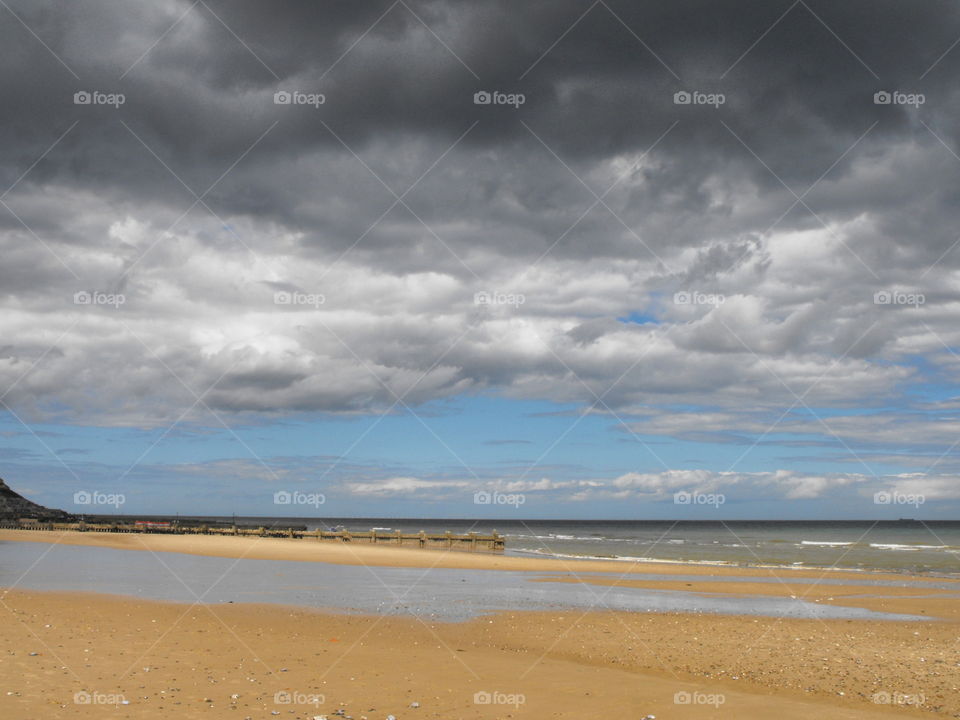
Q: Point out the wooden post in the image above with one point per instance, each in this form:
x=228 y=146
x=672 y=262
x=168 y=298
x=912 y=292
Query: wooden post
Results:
x=399 y=538
x=473 y=542
x=373 y=537
x=449 y=539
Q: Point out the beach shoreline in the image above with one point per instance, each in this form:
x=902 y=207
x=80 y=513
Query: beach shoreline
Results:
x=386 y=556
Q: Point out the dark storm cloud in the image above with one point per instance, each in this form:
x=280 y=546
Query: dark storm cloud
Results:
x=799 y=98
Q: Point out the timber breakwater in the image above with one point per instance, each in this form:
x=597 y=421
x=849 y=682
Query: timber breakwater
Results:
x=18 y=513
x=471 y=542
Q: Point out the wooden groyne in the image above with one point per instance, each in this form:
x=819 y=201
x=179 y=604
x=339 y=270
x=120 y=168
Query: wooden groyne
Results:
x=472 y=542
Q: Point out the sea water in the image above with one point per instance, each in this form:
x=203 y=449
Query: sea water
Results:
x=898 y=546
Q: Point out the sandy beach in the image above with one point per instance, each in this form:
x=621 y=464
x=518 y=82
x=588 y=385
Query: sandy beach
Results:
x=246 y=660
x=138 y=658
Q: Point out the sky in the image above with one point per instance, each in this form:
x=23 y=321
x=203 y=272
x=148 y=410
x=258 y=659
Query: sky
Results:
x=586 y=259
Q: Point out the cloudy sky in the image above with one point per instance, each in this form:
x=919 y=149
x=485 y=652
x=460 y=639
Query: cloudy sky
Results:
x=396 y=253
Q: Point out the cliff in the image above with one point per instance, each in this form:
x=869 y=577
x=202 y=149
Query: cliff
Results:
x=13 y=505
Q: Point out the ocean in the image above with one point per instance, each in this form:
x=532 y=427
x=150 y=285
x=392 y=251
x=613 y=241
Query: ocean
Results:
x=931 y=546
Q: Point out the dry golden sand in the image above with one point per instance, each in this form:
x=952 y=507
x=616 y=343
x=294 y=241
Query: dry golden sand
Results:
x=183 y=661
x=189 y=661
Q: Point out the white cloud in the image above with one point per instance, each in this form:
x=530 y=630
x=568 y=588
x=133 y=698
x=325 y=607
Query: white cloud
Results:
x=402 y=486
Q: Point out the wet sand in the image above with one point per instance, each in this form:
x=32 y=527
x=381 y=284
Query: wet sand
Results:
x=929 y=602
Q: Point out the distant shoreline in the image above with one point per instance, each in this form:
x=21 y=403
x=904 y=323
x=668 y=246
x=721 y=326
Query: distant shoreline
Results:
x=387 y=556
x=364 y=519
